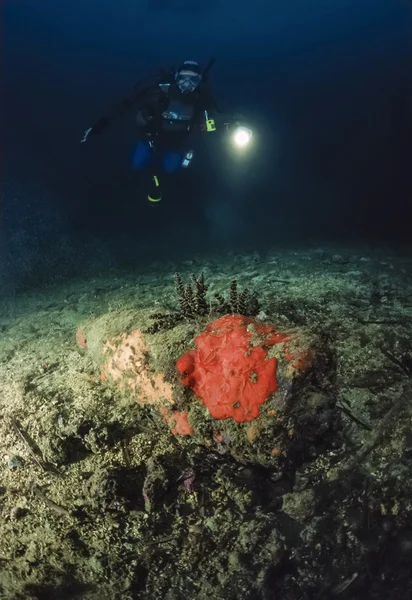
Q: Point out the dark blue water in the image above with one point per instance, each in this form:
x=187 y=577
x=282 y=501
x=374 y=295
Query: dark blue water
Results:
x=326 y=85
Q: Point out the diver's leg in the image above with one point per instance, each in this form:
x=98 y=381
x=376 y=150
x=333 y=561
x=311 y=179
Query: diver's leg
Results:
x=154 y=195
x=141 y=155
x=164 y=163
x=144 y=156
x=172 y=161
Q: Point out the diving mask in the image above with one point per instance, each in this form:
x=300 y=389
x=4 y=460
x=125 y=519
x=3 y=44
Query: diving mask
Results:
x=187 y=81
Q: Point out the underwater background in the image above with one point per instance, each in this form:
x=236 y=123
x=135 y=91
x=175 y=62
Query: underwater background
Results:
x=211 y=397
x=327 y=87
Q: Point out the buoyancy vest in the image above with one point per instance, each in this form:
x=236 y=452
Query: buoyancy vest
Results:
x=178 y=112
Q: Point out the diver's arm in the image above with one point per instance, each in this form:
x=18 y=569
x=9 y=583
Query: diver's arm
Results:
x=223 y=122
x=212 y=113
x=104 y=121
x=212 y=118
x=139 y=97
x=209 y=103
x=133 y=101
x=207 y=110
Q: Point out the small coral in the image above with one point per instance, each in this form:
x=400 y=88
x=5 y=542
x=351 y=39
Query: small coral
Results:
x=163 y=322
x=200 y=294
x=244 y=303
x=233 y=296
x=193 y=302
x=192 y=299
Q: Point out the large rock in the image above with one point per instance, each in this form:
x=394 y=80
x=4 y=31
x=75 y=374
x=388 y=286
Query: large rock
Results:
x=241 y=386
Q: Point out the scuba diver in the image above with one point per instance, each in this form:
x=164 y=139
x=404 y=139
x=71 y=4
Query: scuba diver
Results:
x=170 y=106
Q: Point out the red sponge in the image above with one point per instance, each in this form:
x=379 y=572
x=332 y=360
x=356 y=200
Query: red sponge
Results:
x=228 y=372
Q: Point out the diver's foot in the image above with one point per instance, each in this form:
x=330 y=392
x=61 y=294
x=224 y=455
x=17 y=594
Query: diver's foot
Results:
x=155 y=193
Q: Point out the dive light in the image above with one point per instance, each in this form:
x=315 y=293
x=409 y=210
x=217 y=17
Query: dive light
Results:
x=240 y=134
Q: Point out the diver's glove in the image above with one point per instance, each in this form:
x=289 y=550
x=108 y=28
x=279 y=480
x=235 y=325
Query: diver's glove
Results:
x=86 y=135
x=97 y=128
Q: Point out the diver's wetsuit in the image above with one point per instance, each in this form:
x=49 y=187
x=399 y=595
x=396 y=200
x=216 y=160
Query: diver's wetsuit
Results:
x=165 y=116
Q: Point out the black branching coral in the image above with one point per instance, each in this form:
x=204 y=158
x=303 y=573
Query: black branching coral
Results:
x=244 y=303
x=192 y=299
x=193 y=303
x=200 y=294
